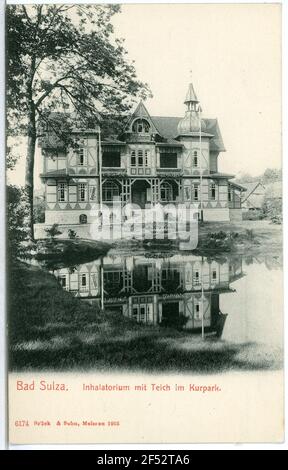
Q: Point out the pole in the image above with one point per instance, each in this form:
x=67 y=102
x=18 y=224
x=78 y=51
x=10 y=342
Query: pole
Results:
x=200 y=150
x=202 y=302
x=100 y=168
x=102 y=284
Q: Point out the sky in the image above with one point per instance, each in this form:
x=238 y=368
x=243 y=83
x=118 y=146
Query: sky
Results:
x=233 y=51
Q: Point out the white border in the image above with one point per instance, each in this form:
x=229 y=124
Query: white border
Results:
x=2 y=249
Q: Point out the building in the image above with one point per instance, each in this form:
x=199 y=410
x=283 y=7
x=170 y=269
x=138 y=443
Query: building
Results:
x=253 y=196
x=154 y=160
x=181 y=291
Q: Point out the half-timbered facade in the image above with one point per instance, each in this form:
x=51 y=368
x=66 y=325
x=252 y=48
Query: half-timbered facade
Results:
x=154 y=160
x=182 y=290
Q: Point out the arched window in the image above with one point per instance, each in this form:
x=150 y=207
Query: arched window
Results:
x=83 y=219
x=141 y=126
x=110 y=191
x=166 y=191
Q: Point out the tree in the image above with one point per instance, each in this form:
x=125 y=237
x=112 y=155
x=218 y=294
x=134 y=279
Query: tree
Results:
x=16 y=231
x=272 y=174
x=64 y=57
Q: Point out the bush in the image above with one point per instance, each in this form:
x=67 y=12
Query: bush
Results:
x=72 y=234
x=53 y=232
x=273 y=209
x=257 y=214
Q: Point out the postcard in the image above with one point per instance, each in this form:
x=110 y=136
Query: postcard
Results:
x=144 y=223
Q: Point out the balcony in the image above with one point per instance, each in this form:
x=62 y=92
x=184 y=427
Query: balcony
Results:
x=113 y=171
x=169 y=172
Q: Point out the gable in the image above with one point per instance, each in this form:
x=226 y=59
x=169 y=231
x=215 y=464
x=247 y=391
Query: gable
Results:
x=142 y=114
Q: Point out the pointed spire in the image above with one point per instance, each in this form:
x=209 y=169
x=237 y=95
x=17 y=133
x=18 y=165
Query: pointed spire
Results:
x=191 y=95
x=191 y=121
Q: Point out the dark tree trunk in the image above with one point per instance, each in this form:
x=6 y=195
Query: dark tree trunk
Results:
x=29 y=175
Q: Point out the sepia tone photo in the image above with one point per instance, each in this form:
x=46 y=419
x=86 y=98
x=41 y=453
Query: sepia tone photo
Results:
x=144 y=207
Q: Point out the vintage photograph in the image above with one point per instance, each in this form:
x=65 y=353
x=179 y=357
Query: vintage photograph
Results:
x=144 y=188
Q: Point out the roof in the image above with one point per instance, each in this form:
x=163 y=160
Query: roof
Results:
x=219 y=175
x=171 y=142
x=112 y=141
x=238 y=186
x=254 y=195
x=254 y=187
x=167 y=127
x=191 y=95
x=54 y=173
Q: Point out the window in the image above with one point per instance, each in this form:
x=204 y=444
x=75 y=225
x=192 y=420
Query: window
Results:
x=112 y=277
x=82 y=192
x=62 y=192
x=110 y=191
x=196 y=278
x=92 y=192
x=142 y=313
x=195 y=159
x=81 y=156
x=166 y=192
x=146 y=158
x=195 y=192
x=140 y=158
x=83 y=219
x=197 y=311
x=133 y=158
x=213 y=191
x=63 y=281
x=111 y=159
x=168 y=160
x=141 y=126
x=214 y=274
x=229 y=194
x=83 y=282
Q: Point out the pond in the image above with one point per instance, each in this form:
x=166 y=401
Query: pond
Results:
x=233 y=299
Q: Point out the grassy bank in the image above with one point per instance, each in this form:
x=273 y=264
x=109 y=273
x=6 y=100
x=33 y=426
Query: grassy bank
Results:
x=49 y=329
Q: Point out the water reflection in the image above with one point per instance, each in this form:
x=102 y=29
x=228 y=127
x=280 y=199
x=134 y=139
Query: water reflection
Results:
x=179 y=291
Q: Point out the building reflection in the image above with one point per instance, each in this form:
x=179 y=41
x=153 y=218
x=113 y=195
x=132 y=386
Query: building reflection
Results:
x=180 y=291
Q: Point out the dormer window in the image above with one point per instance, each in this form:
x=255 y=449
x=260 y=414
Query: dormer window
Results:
x=141 y=126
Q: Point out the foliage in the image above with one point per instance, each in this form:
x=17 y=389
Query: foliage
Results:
x=63 y=58
x=270 y=175
x=249 y=234
x=53 y=231
x=256 y=214
x=272 y=208
x=16 y=231
x=68 y=54
x=39 y=211
x=72 y=234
